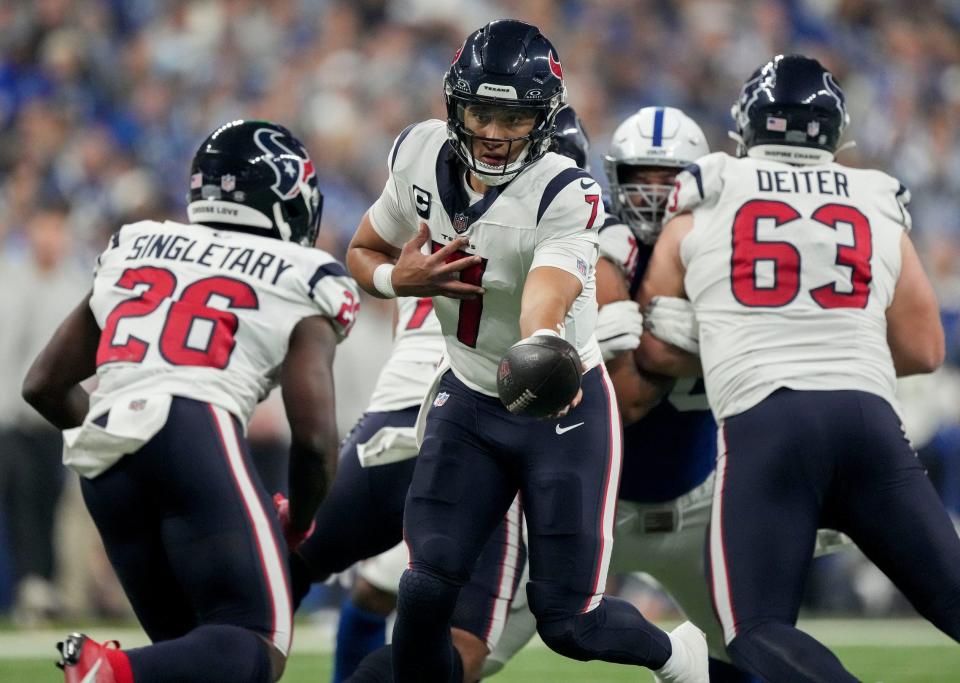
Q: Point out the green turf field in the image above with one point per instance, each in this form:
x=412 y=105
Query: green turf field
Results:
x=938 y=664
x=903 y=651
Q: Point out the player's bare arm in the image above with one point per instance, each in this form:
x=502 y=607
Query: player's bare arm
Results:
x=664 y=277
x=52 y=384
x=547 y=296
x=414 y=273
x=308 y=396
x=914 y=329
x=637 y=392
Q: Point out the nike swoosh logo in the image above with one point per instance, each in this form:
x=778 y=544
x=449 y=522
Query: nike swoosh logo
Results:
x=91 y=676
x=564 y=430
x=584 y=184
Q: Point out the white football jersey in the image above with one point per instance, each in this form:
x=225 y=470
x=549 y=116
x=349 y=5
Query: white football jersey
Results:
x=790 y=270
x=417 y=350
x=548 y=215
x=191 y=311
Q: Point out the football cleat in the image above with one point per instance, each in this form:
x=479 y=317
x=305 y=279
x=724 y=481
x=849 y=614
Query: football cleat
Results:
x=689 y=662
x=85 y=661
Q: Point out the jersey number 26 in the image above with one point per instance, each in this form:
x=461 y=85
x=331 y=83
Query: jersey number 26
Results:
x=190 y=308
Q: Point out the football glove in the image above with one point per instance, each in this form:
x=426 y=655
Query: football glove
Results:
x=293 y=537
x=619 y=326
x=672 y=320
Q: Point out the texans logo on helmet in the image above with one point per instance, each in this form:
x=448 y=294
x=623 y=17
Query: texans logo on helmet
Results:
x=555 y=66
x=289 y=167
x=830 y=84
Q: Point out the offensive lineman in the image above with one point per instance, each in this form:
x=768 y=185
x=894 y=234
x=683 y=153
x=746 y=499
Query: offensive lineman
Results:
x=810 y=299
x=187 y=328
x=507 y=246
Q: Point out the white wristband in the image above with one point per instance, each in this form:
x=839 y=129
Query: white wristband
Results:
x=383 y=280
x=545 y=332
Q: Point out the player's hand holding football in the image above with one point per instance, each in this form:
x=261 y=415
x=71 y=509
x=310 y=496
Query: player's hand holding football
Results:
x=419 y=274
x=294 y=537
x=540 y=376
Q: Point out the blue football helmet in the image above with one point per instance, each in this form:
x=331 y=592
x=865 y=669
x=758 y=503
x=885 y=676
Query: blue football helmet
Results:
x=256 y=177
x=790 y=109
x=506 y=63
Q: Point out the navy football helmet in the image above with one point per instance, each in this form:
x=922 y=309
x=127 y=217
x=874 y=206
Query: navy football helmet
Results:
x=256 y=177
x=506 y=63
x=570 y=137
x=791 y=109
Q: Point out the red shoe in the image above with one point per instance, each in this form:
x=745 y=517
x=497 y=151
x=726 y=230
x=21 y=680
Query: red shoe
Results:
x=85 y=661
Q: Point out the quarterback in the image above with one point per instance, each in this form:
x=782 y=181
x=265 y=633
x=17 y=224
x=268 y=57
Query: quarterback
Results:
x=478 y=213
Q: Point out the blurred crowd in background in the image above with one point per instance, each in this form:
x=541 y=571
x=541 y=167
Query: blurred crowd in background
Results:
x=103 y=103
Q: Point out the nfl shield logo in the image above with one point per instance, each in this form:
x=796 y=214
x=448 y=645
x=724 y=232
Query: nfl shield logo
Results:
x=813 y=129
x=460 y=223
x=228 y=183
x=440 y=399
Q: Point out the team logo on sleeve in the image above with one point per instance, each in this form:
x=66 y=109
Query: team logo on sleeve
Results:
x=292 y=171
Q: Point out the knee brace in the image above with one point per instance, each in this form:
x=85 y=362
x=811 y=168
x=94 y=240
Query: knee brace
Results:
x=426 y=596
x=563 y=637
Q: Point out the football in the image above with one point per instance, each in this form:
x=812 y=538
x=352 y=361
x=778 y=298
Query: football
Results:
x=539 y=376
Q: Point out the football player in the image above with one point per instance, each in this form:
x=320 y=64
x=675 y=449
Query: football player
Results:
x=187 y=327
x=363 y=513
x=478 y=214
x=663 y=505
x=810 y=300
x=361 y=520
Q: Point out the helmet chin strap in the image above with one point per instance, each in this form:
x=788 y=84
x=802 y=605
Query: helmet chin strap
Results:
x=494 y=179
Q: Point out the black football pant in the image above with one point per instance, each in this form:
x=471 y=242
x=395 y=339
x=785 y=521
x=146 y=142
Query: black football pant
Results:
x=800 y=460
x=475 y=458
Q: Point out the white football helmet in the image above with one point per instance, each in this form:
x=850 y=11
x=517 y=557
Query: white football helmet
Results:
x=662 y=137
